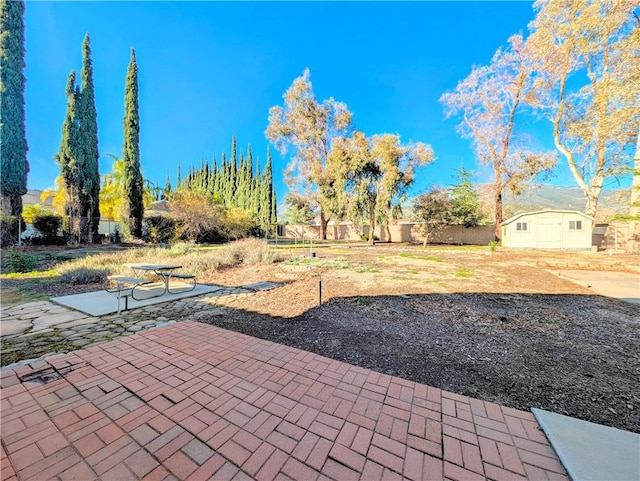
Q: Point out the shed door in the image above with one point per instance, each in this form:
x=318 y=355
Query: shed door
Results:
x=549 y=232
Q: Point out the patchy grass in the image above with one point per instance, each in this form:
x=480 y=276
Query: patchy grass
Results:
x=366 y=268
x=422 y=258
x=338 y=263
x=464 y=273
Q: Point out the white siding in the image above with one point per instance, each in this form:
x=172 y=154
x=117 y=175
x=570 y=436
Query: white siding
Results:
x=552 y=229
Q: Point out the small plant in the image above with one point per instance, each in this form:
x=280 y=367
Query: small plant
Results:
x=15 y=261
x=464 y=273
x=493 y=245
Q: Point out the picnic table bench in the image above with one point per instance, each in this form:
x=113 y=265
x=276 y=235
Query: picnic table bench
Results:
x=124 y=286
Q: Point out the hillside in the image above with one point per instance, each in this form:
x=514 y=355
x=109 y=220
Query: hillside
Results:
x=553 y=197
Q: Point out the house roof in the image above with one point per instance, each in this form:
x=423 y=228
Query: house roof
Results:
x=546 y=211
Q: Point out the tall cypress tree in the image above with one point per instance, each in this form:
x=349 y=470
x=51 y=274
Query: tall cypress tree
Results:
x=131 y=151
x=69 y=158
x=256 y=190
x=88 y=139
x=233 y=175
x=13 y=140
x=166 y=193
x=266 y=193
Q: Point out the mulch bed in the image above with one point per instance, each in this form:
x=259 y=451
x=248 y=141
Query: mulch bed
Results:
x=571 y=354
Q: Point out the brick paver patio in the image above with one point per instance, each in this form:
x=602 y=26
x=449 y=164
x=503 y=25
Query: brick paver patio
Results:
x=192 y=401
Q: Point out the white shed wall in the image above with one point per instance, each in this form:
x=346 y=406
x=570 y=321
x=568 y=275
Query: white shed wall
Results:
x=548 y=230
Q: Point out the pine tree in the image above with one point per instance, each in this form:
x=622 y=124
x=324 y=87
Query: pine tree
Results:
x=131 y=151
x=13 y=141
x=88 y=139
x=465 y=202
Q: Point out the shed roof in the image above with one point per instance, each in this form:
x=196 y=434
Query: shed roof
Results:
x=546 y=211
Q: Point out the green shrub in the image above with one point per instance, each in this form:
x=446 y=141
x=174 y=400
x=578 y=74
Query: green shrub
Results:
x=493 y=245
x=159 y=229
x=15 y=261
x=365 y=237
x=83 y=275
x=47 y=224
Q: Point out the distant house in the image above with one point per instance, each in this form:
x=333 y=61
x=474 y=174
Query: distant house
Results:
x=548 y=229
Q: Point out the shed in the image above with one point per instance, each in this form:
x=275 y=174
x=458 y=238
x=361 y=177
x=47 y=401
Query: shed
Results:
x=548 y=229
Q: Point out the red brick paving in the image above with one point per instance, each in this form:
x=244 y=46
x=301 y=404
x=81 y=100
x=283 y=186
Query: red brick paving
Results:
x=191 y=401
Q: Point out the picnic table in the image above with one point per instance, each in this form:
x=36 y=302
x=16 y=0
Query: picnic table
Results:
x=141 y=287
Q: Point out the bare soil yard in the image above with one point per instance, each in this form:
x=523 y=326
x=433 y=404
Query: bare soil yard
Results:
x=499 y=326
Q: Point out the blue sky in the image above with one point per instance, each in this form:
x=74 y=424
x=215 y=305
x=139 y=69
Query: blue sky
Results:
x=210 y=70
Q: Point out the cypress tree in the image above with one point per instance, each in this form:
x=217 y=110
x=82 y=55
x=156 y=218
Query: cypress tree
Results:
x=131 y=151
x=213 y=186
x=224 y=179
x=256 y=190
x=88 y=139
x=13 y=140
x=179 y=180
x=71 y=168
x=266 y=193
x=248 y=180
x=166 y=193
x=233 y=174
x=240 y=198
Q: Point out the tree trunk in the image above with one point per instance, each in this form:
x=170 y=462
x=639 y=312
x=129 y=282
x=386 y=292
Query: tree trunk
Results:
x=498 y=216
x=634 y=204
x=12 y=204
x=592 y=202
x=323 y=225
x=372 y=225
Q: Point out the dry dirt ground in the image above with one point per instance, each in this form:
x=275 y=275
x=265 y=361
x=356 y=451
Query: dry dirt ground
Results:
x=500 y=326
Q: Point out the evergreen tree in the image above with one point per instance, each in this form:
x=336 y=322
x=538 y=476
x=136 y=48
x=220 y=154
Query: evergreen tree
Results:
x=179 y=179
x=266 y=193
x=131 y=151
x=465 y=202
x=224 y=179
x=13 y=141
x=166 y=193
x=88 y=139
x=256 y=189
x=233 y=174
x=69 y=160
x=214 y=184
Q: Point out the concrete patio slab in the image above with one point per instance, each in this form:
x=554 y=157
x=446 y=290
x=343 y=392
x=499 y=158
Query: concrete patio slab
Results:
x=193 y=401
x=619 y=285
x=100 y=303
x=591 y=451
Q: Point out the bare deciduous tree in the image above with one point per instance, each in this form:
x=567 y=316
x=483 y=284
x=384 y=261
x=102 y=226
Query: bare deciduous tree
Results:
x=586 y=76
x=488 y=101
